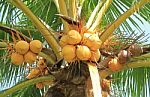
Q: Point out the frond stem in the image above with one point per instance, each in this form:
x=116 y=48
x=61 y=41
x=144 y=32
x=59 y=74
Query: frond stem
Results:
x=72 y=9
x=3 y=44
x=61 y=7
x=100 y=15
x=25 y=84
x=93 y=14
x=95 y=78
x=123 y=17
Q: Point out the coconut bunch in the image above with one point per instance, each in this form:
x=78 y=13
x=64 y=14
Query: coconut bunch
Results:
x=40 y=70
x=26 y=52
x=117 y=62
x=80 y=46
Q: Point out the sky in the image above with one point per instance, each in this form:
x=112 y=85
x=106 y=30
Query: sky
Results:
x=146 y=28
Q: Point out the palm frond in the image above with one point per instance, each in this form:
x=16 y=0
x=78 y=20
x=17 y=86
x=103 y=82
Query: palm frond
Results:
x=30 y=91
x=132 y=82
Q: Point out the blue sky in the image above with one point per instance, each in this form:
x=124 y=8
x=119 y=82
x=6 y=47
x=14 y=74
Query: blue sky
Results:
x=146 y=28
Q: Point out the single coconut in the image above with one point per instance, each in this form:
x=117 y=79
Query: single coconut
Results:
x=63 y=40
x=123 y=56
x=74 y=37
x=69 y=53
x=135 y=50
x=95 y=55
x=40 y=85
x=34 y=73
x=35 y=46
x=92 y=41
x=114 y=64
x=22 y=47
x=83 y=52
x=17 y=58
x=30 y=57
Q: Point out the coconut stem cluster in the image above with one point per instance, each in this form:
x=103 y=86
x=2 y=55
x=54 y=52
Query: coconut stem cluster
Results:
x=40 y=70
x=25 y=52
x=80 y=46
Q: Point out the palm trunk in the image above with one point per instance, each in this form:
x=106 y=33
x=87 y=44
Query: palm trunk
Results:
x=71 y=82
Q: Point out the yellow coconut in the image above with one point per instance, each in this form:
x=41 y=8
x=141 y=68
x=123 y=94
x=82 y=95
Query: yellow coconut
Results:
x=95 y=55
x=17 y=58
x=114 y=64
x=63 y=40
x=30 y=57
x=22 y=47
x=69 y=53
x=40 y=85
x=35 y=46
x=34 y=73
x=83 y=52
x=92 y=41
x=74 y=37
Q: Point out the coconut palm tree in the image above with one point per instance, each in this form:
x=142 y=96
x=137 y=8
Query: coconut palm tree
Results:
x=122 y=69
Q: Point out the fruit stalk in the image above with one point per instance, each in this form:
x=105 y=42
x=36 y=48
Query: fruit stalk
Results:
x=120 y=19
x=39 y=25
x=72 y=9
x=61 y=7
x=14 y=32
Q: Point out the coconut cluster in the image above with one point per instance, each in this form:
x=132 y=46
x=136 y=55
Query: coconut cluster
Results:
x=40 y=70
x=80 y=46
x=26 y=52
x=116 y=63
